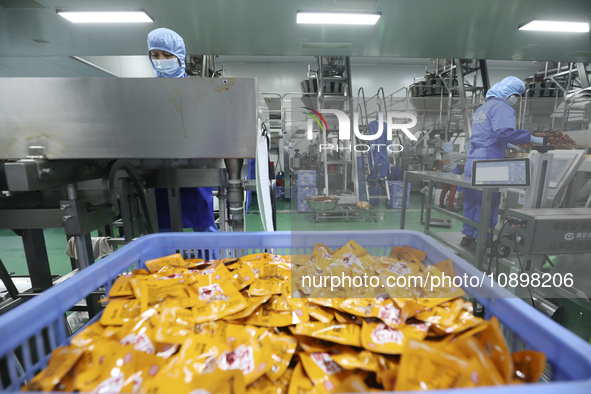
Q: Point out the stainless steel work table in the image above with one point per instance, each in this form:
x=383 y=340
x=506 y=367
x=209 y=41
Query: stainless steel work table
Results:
x=453 y=239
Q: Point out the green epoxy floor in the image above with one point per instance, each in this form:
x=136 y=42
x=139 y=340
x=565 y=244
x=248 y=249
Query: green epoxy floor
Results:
x=13 y=256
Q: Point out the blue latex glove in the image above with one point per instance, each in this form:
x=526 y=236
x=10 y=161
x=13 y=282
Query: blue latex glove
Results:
x=514 y=147
x=537 y=140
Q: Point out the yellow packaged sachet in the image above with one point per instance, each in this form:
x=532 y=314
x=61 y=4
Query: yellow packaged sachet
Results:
x=323 y=371
x=140 y=332
x=119 y=312
x=217 y=299
x=243 y=277
x=215 y=381
x=419 y=254
x=465 y=321
x=320 y=313
x=312 y=345
x=380 y=338
x=300 y=382
x=252 y=304
x=481 y=371
x=387 y=372
x=264 y=385
x=282 y=350
x=61 y=362
x=87 y=336
x=349 y=358
x=175 y=324
x=425 y=367
x=352 y=384
x=166 y=292
x=248 y=352
x=529 y=365
x=266 y=316
x=175 y=260
x=270 y=280
x=345 y=334
x=125 y=370
x=443 y=315
x=346 y=318
x=493 y=342
x=122 y=286
x=300 y=259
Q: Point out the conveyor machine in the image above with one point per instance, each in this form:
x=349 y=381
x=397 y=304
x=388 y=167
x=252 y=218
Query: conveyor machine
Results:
x=83 y=152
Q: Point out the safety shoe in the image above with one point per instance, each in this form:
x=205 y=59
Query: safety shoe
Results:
x=454 y=209
x=468 y=242
x=442 y=206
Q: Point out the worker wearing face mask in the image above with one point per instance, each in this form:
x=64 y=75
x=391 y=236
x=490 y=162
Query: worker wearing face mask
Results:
x=167 y=55
x=493 y=127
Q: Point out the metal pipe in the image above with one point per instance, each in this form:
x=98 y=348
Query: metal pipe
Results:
x=235 y=193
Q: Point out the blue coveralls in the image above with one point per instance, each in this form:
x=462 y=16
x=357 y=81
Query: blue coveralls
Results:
x=379 y=162
x=493 y=126
x=196 y=202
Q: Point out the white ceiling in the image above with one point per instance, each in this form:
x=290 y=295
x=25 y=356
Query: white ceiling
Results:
x=38 y=42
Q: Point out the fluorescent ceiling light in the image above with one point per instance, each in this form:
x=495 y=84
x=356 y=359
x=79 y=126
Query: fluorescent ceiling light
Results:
x=569 y=27
x=338 y=18
x=105 y=16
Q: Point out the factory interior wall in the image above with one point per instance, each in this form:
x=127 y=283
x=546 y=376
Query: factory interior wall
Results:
x=285 y=77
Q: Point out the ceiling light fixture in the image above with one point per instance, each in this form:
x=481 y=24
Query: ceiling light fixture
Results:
x=556 y=26
x=105 y=16
x=338 y=17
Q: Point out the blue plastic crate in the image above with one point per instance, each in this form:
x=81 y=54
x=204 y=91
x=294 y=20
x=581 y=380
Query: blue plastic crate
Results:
x=306 y=178
x=569 y=355
x=396 y=194
x=374 y=191
x=306 y=191
x=279 y=192
x=303 y=206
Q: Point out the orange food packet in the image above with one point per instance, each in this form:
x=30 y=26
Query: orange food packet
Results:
x=425 y=367
x=380 y=338
x=345 y=334
x=119 y=312
x=493 y=341
x=529 y=365
x=61 y=362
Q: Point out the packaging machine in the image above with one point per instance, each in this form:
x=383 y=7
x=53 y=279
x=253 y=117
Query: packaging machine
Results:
x=80 y=153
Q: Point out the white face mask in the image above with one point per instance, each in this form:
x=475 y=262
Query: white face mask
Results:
x=166 y=66
x=511 y=100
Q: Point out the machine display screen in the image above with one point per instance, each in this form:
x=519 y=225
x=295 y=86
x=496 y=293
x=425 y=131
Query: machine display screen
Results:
x=503 y=172
x=559 y=167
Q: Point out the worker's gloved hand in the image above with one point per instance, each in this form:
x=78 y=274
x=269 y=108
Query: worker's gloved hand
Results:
x=537 y=140
x=514 y=147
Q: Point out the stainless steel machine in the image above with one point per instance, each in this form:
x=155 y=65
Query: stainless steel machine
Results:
x=80 y=153
x=547 y=234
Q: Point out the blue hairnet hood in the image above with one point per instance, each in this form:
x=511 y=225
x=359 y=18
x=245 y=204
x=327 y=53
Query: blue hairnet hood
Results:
x=448 y=147
x=507 y=87
x=169 y=41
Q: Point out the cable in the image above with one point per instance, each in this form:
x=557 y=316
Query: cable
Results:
x=522 y=270
x=548 y=260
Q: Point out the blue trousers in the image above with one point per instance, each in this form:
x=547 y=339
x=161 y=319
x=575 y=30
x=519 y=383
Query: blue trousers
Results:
x=472 y=207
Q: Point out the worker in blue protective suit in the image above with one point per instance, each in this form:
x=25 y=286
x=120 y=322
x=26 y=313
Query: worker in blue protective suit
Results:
x=167 y=55
x=449 y=164
x=379 y=162
x=493 y=127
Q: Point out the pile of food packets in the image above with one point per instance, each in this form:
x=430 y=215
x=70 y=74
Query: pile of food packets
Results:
x=236 y=326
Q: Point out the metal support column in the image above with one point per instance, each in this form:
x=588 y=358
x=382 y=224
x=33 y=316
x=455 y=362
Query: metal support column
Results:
x=174 y=204
x=463 y=102
x=583 y=77
x=37 y=260
x=484 y=75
